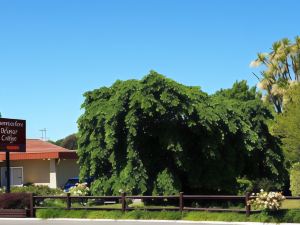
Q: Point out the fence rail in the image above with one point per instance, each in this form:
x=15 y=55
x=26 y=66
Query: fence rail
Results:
x=293 y=197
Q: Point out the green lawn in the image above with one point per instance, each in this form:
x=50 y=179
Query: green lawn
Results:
x=62 y=204
x=291 y=204
x=287 y=204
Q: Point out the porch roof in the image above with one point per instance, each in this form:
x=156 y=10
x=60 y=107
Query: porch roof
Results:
x=38 y=149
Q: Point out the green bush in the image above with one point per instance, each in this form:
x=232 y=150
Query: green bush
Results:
x=267 y=185
x=244 y=185
x=38 y=190
x=166 y=184
x=295 y=179
x=288 y=216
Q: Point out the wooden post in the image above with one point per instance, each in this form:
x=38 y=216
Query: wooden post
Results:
x=181 y=204
x=69 y=202
x=123 y=201
x=31 y=205
x=248 y=207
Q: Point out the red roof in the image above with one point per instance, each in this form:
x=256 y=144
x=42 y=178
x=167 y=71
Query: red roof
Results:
x=38 y=149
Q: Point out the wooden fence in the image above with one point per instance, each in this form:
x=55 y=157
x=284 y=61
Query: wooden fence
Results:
x=182 y=203
x=181 y=199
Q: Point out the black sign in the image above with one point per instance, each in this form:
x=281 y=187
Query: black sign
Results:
x=12 y=135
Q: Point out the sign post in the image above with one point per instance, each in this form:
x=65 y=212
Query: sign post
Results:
x=7 y=190
x=12 y=139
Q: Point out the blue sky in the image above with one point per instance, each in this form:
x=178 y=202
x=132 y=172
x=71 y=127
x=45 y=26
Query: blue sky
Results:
x=52 y=51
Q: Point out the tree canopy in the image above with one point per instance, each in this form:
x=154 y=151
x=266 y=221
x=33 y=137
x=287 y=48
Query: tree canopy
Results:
x=69 y=142
x=157 y=136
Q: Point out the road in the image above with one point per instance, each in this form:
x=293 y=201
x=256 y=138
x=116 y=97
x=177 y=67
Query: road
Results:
x=96 y=222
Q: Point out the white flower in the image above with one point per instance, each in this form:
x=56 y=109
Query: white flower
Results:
x=265 y=200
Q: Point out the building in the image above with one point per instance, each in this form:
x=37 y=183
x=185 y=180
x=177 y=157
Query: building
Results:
x=43 y=163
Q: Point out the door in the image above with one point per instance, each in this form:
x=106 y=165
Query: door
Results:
x=3 y=176
x=16 y=176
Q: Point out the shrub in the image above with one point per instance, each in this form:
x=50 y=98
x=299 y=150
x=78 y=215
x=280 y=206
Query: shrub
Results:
x=295 y=179
x=166 y=184
x=2 y=190
x=14 y=201
x=267 y=200
x=37 y=190
x=266 y=184
x=244 y=185
x=287 y=216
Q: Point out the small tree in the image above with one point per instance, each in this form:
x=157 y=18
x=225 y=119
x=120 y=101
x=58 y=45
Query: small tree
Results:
x=70 y=142
x=295 y=179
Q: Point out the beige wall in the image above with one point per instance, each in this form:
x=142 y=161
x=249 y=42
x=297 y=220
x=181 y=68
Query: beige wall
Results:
x=34 y=171
x=38 y=171
x=65 y=169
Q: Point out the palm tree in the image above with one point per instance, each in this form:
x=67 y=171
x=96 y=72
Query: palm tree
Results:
x=282 y=68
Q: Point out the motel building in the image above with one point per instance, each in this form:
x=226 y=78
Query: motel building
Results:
x=43 y=163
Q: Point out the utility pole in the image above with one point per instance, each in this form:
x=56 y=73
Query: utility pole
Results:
x=44 y=134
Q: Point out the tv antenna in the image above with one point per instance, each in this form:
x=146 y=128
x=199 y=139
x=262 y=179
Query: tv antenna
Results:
x=44 y=134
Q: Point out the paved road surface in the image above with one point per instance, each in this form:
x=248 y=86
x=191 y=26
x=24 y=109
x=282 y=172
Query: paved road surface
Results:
x=96 y=222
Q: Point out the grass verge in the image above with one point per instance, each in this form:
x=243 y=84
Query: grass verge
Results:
x=290 y=204
x=287 y=216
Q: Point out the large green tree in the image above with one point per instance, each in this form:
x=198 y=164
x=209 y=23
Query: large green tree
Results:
x=265 y=159
x=156 y=136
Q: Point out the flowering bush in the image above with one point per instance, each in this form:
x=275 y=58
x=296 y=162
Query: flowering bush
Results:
x=2 y=190
x=81 y=189
x=267 y=200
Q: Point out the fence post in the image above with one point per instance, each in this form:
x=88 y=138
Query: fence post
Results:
x=123 y=201
x=31 y=205
x=248 y=207
x=181 y=204
x=68 y=201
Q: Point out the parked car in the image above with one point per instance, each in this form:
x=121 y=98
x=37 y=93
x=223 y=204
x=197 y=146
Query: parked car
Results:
x=73 y=181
